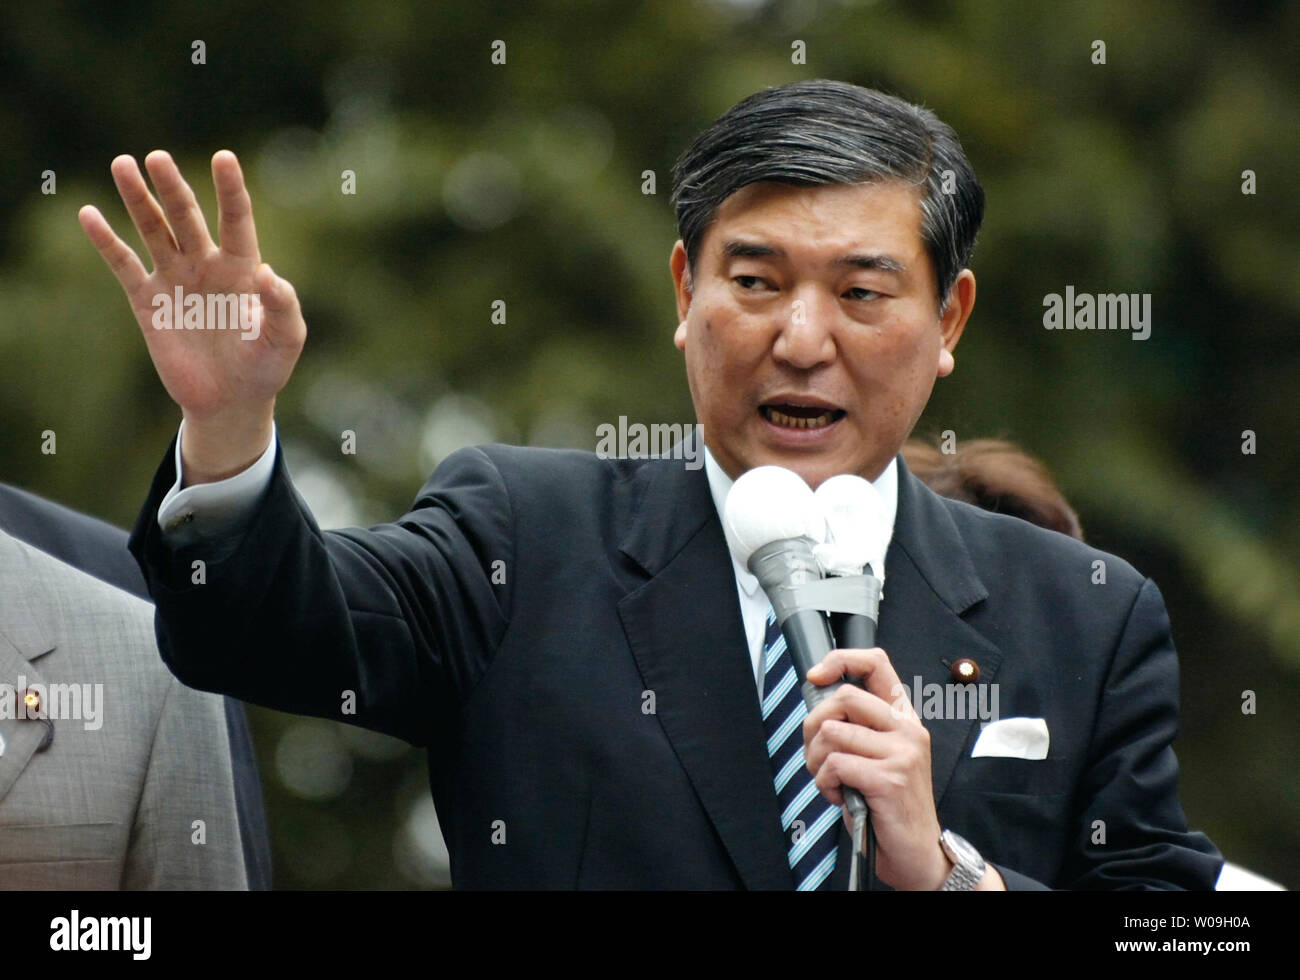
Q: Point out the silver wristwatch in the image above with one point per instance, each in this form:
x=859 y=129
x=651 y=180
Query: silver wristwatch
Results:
x=968 y=866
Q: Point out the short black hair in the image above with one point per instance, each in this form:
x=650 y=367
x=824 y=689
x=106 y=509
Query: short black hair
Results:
x=828 y=132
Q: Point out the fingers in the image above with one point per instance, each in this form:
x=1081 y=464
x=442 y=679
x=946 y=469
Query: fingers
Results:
x=235 y=226
x=874 y=763
x=851 y=704
x=179 y=204
x=872 y=666
x=827 y=736
x=284 y=323
x=841 y=769
x=278 y=295
x=853 y=724
x=121 y=259
x=145 y=213
x=843 y=736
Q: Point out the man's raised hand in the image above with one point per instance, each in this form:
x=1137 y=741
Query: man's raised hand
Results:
x=224 y=380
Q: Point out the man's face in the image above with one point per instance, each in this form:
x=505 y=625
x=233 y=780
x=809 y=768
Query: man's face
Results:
x=812 y=333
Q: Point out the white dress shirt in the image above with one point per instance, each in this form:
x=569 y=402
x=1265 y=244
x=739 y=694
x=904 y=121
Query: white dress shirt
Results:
x=214 y=510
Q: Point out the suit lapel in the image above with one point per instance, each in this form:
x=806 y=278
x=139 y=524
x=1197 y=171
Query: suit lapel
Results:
x=24 y=636
x=686 y=634
x=930 y=581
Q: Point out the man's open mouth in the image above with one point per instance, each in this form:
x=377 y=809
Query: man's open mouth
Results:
x=800 y=416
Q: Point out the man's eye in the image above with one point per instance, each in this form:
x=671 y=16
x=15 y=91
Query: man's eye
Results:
x=748 y=283
x=864 y=292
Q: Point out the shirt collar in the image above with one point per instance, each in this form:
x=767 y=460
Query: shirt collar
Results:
x=720 y=486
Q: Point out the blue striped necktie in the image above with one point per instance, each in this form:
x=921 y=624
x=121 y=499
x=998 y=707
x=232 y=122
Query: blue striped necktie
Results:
x=808 y=820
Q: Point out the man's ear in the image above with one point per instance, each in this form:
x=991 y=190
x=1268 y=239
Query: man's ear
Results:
x=682 y=285
x=952 y=321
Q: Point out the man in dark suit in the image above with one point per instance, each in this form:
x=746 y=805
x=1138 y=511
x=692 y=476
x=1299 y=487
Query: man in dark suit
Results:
x=590 y=669
x=99 y=549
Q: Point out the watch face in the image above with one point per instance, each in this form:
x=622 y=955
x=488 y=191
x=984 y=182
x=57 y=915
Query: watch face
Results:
x=969 y=865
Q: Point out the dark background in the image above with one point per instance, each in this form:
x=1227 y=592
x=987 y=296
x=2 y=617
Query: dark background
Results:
x=523 y=182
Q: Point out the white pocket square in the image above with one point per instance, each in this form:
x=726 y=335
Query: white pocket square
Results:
x=1013 y=738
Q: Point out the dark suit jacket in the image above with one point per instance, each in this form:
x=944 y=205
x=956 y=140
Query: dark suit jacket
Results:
x=516 y=618
x=99 y=549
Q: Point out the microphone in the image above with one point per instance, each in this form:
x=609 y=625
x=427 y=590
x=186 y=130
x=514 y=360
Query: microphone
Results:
x=775 y=524
x=859 y=531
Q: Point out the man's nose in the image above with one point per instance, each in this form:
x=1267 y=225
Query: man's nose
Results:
x=806 y=339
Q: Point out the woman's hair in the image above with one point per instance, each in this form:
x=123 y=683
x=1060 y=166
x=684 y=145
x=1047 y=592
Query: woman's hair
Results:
x=996 y=476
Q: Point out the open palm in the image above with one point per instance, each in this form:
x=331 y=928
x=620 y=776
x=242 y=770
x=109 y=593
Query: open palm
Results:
x=211 y=373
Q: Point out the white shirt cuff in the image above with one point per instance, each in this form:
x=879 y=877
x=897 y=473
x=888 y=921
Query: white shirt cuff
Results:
x=214 y=510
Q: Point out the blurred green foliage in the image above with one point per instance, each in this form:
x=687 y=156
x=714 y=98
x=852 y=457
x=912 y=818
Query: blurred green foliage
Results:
x=523 y=182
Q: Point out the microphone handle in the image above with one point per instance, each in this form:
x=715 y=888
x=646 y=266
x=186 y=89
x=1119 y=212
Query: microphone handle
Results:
x=855 y=632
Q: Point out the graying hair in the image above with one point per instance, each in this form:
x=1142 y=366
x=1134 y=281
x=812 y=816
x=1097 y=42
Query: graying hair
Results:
x=827 y=132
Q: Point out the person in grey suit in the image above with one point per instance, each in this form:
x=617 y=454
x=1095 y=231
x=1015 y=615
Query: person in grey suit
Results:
x=113 y=775
x=99 y=549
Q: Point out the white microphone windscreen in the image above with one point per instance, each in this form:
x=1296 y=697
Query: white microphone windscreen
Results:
x=856 y=520
x=770 y=503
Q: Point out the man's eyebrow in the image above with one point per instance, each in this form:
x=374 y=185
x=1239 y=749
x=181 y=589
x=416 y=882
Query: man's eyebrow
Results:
x=753 y=250
x=883 y=263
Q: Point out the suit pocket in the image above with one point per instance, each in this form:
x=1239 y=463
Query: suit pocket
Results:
x=1018 y=820
x=1012 y=777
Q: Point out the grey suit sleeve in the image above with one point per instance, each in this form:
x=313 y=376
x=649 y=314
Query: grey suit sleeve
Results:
x=186 y=829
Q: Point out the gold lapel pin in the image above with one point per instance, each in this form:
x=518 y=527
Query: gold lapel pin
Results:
x=31 y=703
x=33 y=709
